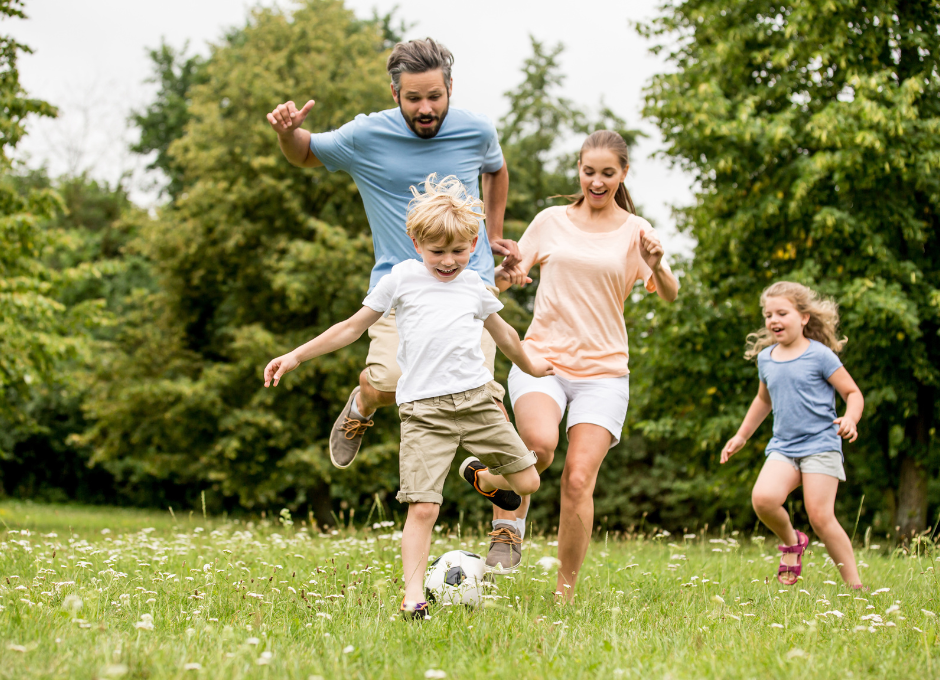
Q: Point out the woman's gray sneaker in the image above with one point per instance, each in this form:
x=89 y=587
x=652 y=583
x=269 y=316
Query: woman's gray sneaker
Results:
x=505 y=549
x=346 y=437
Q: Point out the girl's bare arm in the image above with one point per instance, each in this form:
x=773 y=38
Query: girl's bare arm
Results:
x=760 y=409
x=854 y=403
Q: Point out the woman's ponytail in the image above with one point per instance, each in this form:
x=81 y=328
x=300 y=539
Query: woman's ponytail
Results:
x=623 y=199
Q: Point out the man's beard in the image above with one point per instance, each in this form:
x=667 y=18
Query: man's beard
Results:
x=425 y=133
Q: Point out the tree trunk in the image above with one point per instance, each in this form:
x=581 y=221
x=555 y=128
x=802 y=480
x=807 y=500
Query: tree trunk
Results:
x=912 y=497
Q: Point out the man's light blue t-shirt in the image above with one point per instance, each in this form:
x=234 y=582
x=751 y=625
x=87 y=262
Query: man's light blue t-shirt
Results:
x=386 y=159
x=804 y=402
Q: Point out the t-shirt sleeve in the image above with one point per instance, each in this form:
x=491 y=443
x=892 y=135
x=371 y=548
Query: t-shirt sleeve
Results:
x=829 y=362
x=336 y=149
x=492 y=151
x=383 y=298
x=489 y=304
x=529 y=244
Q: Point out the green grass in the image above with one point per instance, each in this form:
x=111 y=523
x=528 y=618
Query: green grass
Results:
x=252 y=600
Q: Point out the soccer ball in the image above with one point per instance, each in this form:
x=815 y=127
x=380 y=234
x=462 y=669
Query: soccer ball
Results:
x=456 y=577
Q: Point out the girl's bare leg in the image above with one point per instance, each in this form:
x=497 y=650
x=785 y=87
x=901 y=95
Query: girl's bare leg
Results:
x=537 y=419
x=819 y=496
x=776 y=482
x=587 y=448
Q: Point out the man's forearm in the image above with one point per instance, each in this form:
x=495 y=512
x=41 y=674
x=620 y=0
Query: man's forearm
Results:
x=295 y=145
x=495 y=194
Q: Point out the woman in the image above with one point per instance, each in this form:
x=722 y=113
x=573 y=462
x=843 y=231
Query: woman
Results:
x=591 y=253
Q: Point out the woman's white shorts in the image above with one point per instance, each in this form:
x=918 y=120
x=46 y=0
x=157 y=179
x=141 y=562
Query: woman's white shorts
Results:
x=601 y=402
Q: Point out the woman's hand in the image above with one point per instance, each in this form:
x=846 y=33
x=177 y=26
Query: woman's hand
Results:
x=848 y=428
x=278 y=367
x=735 y=444
x=651 y=249
x=512 y=275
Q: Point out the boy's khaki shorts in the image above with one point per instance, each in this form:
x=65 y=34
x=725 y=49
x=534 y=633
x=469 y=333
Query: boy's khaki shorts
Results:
x=382 y=369
x=431 y=431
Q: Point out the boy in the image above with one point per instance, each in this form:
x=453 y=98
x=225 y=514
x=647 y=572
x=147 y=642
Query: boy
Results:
x=441 y=309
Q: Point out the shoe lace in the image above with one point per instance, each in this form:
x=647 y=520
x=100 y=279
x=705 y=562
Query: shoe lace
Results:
x=504 y=535
x=355 y=428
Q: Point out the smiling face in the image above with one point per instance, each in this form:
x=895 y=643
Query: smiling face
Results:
x=783 y=320
x=600 y=173
x=445 y=261
x=423 y=100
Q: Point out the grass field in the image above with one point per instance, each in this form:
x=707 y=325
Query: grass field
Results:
x=99 y=593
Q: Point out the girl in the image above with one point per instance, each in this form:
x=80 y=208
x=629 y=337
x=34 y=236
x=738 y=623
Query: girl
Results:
x=799 y=375
x=591 y=253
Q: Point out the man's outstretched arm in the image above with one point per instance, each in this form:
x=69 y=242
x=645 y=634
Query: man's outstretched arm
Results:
x=286 y=120
x=495 y=193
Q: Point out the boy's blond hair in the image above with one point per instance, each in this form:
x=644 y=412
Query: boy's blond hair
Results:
x=444 y=212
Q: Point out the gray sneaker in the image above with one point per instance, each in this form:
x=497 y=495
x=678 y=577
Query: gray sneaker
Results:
x=505 y=549
x=346 y=436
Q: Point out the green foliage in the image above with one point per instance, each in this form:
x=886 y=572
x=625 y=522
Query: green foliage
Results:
x=253 y=258
x=811 y=129
x=165 y=119
x=39 y=332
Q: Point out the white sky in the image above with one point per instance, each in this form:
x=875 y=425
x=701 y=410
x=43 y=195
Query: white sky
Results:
x=90 y=60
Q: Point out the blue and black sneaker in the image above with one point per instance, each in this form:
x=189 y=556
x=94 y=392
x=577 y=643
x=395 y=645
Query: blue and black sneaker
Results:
x=507 y=500
x=415 y=611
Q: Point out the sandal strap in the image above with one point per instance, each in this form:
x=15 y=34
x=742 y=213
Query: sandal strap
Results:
x=789 y=569
x=798 y=549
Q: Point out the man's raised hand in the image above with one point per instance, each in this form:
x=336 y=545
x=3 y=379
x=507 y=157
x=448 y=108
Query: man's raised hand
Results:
x=287 y=118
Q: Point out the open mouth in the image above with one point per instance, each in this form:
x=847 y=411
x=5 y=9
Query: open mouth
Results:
x=598 y=194
x=426 y=122
x=446 y=273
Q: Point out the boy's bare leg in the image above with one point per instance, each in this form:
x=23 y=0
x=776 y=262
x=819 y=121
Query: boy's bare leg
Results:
x=415 y=547
x=369 y=399
x=525 y=482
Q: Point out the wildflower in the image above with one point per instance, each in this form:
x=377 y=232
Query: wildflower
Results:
x=348 y=649
x=928 y=613
x=192 y=666
x=252 y=641
x=264 y=659
x=145 y=623
x=16 y=648
x=114 y=670
x=434 y=674
x=881 y=590
x=776 y=625
x=718 y=598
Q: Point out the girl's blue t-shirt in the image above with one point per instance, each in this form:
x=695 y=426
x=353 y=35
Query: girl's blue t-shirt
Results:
x=804 y=403
x=386 y=159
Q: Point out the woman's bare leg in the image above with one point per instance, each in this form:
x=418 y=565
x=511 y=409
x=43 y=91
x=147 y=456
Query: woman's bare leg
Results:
x=587 y=448
x=537 y=419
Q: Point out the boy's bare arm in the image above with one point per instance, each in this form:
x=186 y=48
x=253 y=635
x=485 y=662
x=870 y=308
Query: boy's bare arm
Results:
x=335 y=337
x=507 y=340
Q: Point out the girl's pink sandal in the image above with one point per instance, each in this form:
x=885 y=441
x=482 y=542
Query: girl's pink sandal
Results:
x=802 y=540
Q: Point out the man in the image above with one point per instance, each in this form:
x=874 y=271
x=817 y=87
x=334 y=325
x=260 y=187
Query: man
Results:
x=387 y=153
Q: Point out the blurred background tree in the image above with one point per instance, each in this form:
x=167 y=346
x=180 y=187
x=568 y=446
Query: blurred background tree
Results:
x=811 y=129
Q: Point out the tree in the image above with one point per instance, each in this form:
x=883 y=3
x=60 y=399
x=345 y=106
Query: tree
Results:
x=811 y=131
x=253 y=256
x=38 y=331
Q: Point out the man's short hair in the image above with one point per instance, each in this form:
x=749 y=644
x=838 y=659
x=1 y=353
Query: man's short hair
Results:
x=443 y=213
x=419 y=56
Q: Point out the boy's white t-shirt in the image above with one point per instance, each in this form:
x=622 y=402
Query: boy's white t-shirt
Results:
x=440 y=324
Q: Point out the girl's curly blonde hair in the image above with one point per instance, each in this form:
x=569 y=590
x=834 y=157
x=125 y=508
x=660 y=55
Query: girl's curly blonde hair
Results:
x=823 y=324
x=444 y=212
